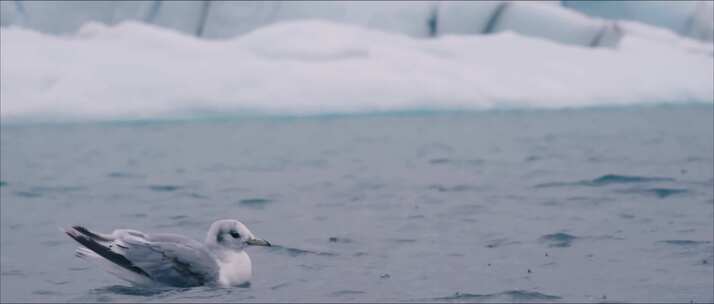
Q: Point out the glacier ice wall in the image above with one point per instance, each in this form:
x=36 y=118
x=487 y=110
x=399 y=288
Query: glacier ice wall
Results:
x=688 y=18
x=222 y=19
x=556 y=20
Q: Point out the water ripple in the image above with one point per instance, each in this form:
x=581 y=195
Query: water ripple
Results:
x=132 y=290
x=607 y=179
x=119 y=174
x=657 y=192
x=684 y=242
x=500 y=243
x=39 y=191
x=559 y=239
x=334 y=239
x=622 y=179
x=295 y=252
x=13 y=273
x=255 y=202
x=43 y=292
x=456 y=188
x=164 y=188
x=513 y=295
x=464 y=162
x=347 y=293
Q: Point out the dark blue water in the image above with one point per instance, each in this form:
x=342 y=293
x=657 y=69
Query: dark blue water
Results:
x=591 y=205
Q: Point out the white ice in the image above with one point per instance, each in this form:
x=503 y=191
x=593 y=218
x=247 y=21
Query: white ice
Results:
x=133 y=70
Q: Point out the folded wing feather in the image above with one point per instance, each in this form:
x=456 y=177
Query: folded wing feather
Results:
x=169 y=259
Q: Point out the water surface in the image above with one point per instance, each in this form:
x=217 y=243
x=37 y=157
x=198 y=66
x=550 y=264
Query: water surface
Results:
x=591 y=205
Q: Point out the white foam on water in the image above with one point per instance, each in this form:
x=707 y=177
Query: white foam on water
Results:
x=134 y=70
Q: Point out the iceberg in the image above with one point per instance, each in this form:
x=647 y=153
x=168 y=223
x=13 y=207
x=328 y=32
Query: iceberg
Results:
x=134 y=70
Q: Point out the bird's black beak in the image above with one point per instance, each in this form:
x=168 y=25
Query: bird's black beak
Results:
x=258 y=242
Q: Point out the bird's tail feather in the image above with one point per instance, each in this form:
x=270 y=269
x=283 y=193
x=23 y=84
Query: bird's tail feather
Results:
x=116 y=270
x=87 y=239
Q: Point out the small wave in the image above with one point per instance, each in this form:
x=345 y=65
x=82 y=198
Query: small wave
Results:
x=334 y=239
x=500 y=243
x=15 y=272
x=465 y=162
x=544 y=157
x=403 y=241
x=119 y=174
x=254 y=202
x=684 y=242
x=196 y=195
x=658 y=192
x=701 y=251
x=27 y=194
x=295 y=252
x=281 y=285
x=43 y=292
x=456 y=188
x=58 y=189
x=589 y=200
x=347 y=292
x=606 y=180
x=557 y=184
x=40 y=191
x=131 y=290
x=164 y=188
x=514 y=295
x=559 y=239
x=621 y=179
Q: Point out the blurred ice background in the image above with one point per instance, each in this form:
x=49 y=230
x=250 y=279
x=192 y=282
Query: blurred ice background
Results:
x=147 y=59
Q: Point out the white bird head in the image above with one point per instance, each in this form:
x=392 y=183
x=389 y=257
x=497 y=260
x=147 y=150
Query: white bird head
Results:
x=232 y=234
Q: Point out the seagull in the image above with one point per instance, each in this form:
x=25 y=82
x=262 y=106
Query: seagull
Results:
x=170 y=259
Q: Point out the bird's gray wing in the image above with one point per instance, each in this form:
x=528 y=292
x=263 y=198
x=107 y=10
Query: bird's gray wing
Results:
x=169 y=259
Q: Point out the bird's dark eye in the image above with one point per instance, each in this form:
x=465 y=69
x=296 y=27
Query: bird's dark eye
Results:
x=235 y=235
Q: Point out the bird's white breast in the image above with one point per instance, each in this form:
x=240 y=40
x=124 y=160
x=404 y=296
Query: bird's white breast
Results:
x=235 y=268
